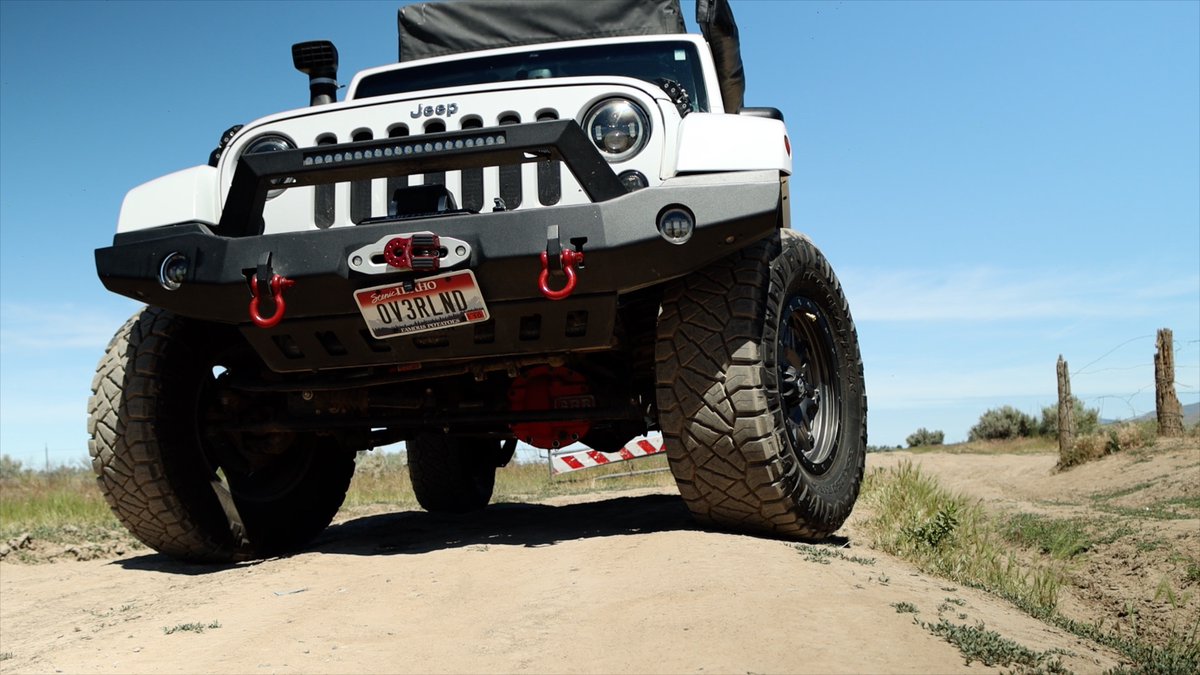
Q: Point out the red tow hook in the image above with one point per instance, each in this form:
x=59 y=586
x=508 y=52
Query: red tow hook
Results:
x=278 y=284
x=569 y=260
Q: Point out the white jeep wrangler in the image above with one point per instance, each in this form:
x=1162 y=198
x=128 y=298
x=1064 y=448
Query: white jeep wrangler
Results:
x=548 y=223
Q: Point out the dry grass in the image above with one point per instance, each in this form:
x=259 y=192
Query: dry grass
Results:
x=1114 y=438
x=50 y=515
x=383 y=480
x=64 y=497
x=1035 y=445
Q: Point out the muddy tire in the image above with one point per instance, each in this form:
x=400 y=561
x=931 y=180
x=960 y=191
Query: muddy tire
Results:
x=451 y=474
x=760 y=392
x=151 y=451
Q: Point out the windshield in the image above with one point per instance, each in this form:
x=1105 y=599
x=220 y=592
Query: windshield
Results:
x=655 y=62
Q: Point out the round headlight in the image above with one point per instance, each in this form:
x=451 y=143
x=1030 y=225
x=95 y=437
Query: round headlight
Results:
x=619 y=127
x=270 y=143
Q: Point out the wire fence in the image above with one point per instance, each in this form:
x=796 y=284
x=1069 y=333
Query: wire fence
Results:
x=1139 y=402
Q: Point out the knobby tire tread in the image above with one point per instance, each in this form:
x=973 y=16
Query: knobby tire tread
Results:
x=128 y=457
x=719 y=418
x=148 y=463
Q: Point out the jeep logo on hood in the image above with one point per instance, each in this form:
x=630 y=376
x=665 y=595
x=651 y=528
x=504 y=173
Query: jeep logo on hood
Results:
x=447 y=109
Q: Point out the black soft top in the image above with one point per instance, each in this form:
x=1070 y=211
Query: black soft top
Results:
x=430 y=29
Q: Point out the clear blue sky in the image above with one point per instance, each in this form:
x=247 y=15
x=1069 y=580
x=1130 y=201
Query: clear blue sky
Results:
x=996 y=183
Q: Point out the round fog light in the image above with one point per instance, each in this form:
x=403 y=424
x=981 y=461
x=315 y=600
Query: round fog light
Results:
x=633 y=180
x=676 y=225
x=173 y=271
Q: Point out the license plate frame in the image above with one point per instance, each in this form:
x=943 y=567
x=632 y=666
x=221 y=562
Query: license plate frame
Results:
x=421 y=305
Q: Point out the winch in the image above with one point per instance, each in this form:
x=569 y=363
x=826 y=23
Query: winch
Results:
x=544 y=388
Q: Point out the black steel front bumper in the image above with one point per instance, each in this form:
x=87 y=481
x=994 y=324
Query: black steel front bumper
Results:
x=617 y=233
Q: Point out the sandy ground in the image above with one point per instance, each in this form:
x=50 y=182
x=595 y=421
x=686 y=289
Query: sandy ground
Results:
x=618 y=582
x=1142 y=509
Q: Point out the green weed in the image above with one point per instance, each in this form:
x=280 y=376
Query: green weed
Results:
x=1192 y=575
x=1120 y=531
x=190 y=627
x=1061 y=539
x=1165 y=591
x=905 y=607
x=936 y=529
x=823 y=554
x=1164 y=510
x=1179 y=656
x=977 y=643
x=1121 y=492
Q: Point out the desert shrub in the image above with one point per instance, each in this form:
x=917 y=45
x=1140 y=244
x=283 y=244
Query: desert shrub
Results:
x=1114 y=438
x=1087 y=420
x=1084 y=449
x=1002 y=423
x=1130 y=436
x=10 y=468
x=924 y=436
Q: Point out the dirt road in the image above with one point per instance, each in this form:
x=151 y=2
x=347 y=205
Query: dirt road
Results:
x=621 y=583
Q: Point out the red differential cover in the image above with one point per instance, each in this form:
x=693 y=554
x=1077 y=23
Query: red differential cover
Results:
x=544 y=388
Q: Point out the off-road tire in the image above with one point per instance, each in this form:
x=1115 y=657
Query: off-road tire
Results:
x=740 y=459
x=154 y=472
x=452 y=474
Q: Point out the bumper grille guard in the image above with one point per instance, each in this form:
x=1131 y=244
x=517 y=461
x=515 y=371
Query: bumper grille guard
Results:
x=561 y=140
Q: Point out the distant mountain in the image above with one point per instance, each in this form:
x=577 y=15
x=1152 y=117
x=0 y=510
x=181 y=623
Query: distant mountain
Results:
x=1191 y=415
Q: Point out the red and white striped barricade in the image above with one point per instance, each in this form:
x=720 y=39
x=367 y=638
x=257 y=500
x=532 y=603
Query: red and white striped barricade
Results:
x=566 y=462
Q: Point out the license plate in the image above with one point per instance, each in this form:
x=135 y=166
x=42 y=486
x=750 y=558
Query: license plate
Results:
x=420 y=305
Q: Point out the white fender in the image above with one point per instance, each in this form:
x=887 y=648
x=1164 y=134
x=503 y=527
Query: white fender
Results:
x=719 y=142
x=191 y=194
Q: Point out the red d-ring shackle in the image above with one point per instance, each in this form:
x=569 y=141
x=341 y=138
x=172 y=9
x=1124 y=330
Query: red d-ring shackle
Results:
x=569 y=260
x=278 y=284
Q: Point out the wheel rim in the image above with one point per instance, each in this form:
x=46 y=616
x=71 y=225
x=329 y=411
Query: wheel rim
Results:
x=808 y=383
x=266 y=482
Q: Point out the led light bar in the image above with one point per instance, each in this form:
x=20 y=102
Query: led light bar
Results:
x=402 y=149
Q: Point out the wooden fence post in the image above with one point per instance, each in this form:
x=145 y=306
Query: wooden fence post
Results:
x=1166 y=403
x=1066 y=410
